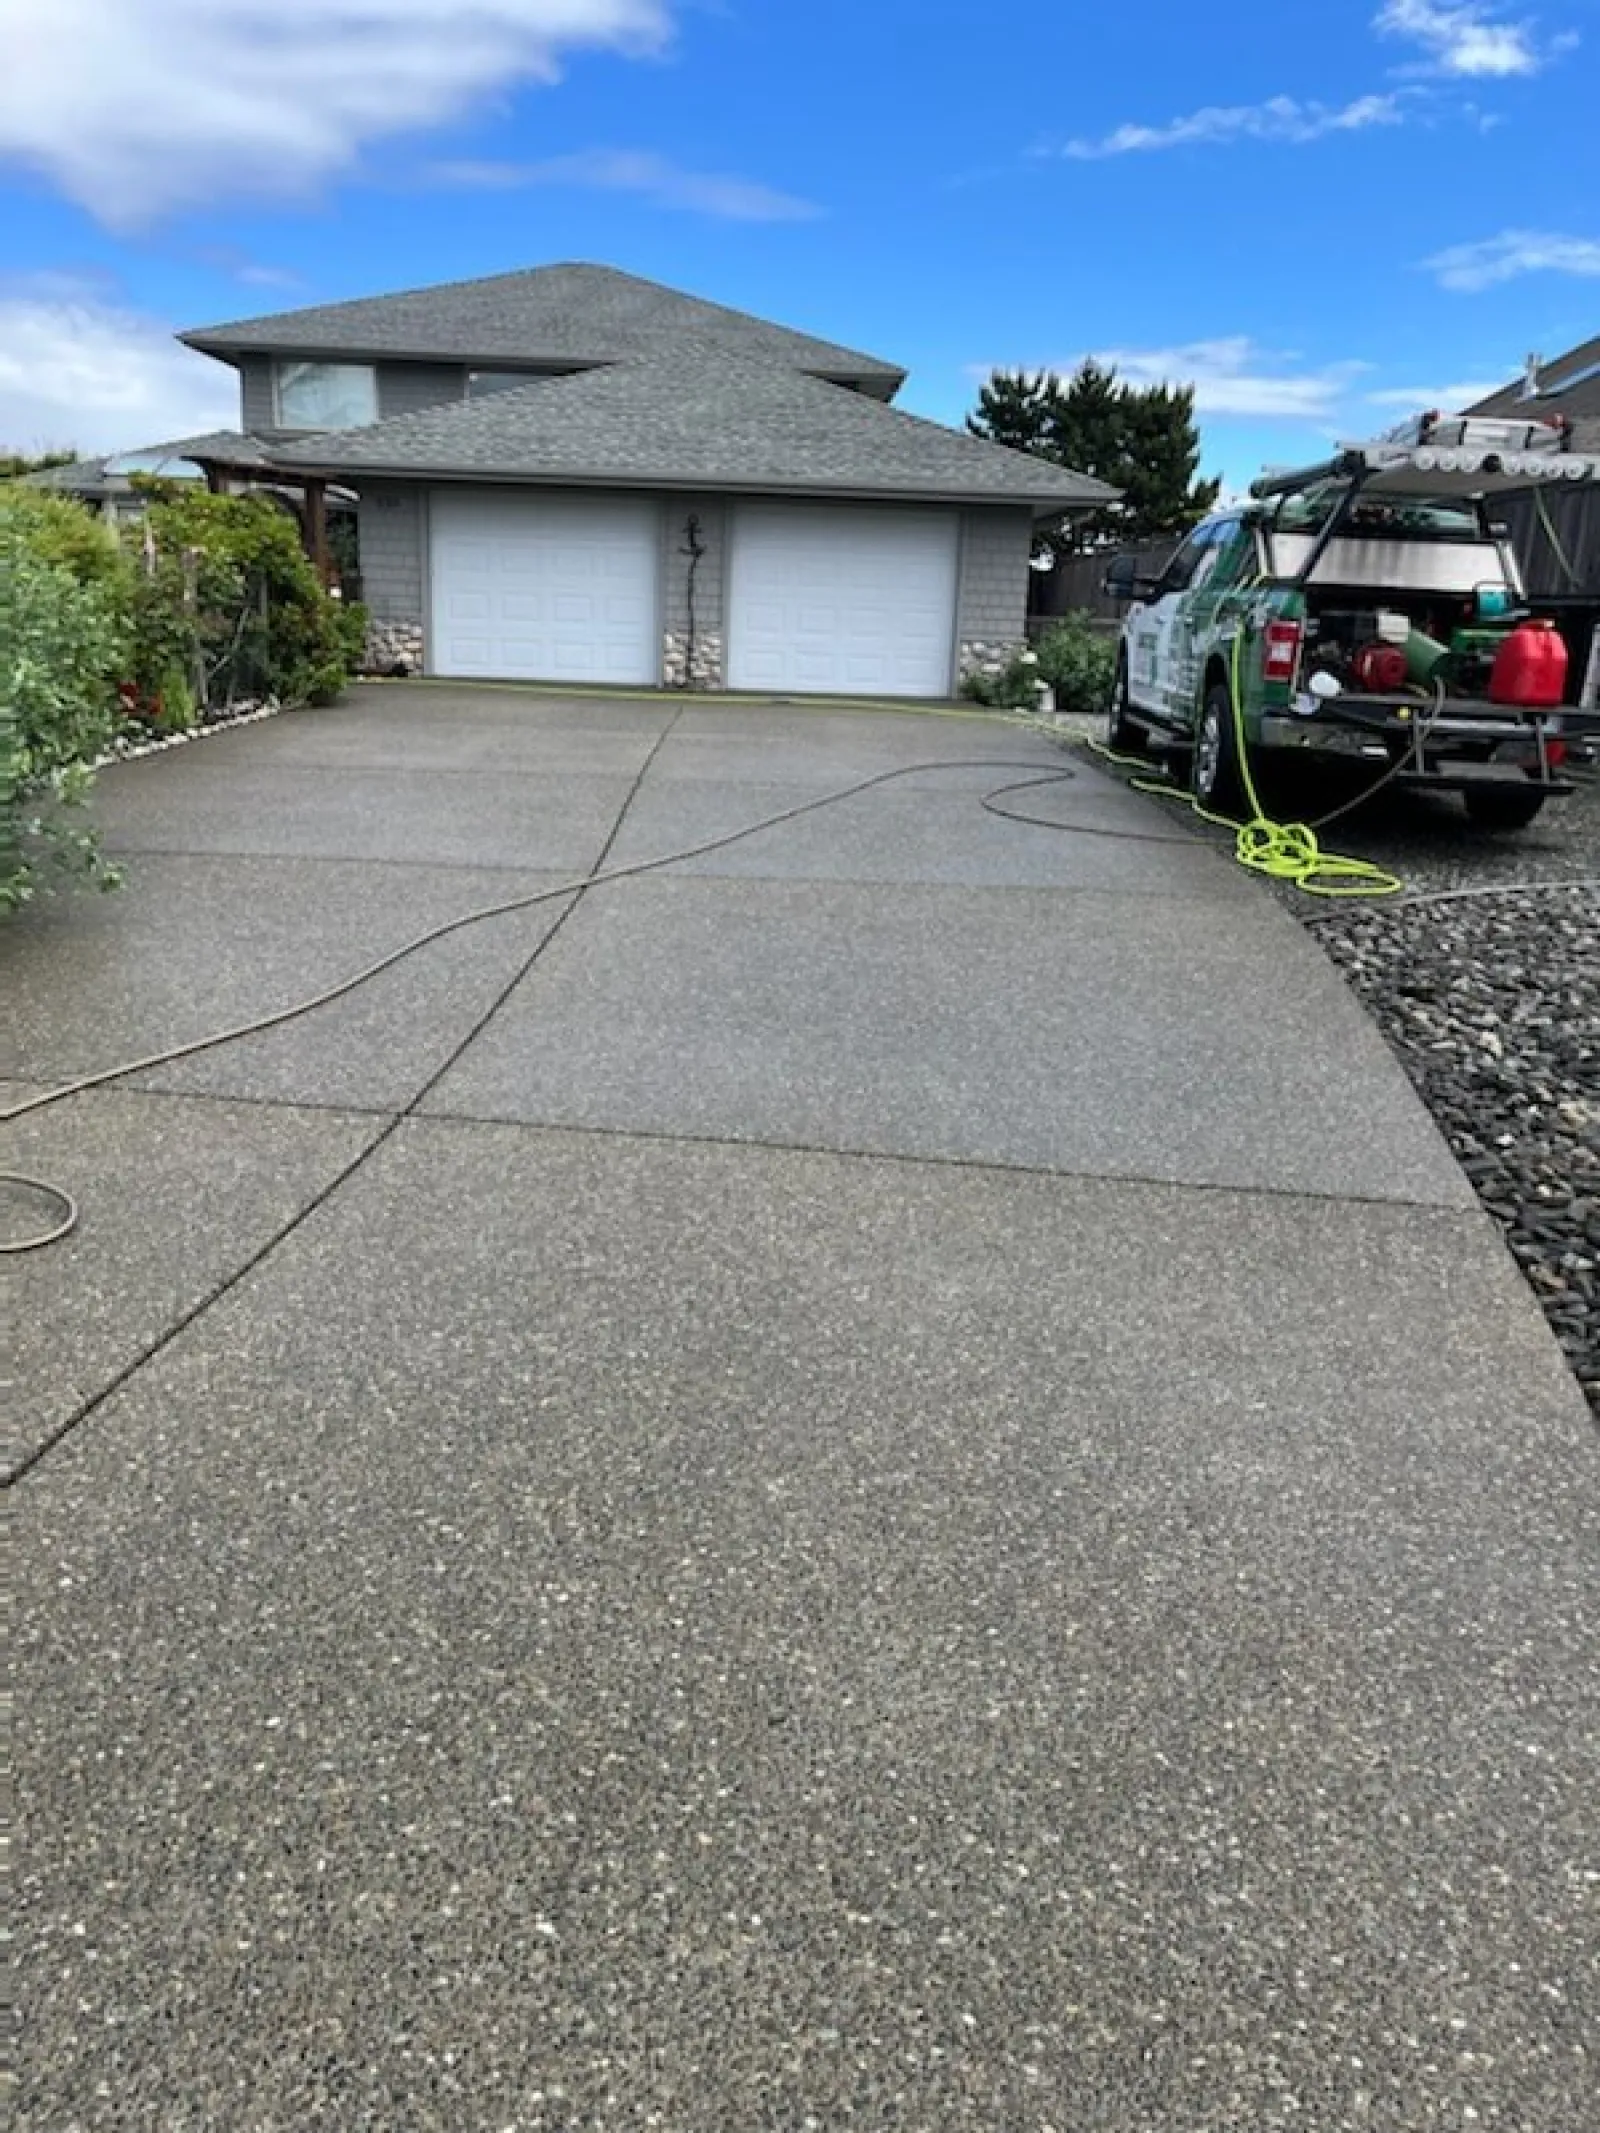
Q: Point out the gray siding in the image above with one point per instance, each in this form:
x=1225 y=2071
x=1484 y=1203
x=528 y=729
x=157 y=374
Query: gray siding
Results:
x=708 y=580
x=992 y=591
x=393 y=562
x=992 y=598
x=256 y=410
x=405 y=388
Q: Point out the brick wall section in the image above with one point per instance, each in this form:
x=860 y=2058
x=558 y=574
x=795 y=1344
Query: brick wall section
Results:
x=405 y=387
x=992 y=597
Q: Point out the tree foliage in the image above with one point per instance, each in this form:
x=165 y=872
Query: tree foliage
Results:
x=14 y=463
x=211 y=599
x=59 y=529
x=1140 y=439
x=230 y=601
x=63 y=645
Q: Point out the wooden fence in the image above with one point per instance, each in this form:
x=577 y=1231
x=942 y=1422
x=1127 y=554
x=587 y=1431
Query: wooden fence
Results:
x=1074 y=585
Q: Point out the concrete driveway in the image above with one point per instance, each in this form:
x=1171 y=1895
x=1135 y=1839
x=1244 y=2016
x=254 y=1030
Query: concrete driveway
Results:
x=883 y=1480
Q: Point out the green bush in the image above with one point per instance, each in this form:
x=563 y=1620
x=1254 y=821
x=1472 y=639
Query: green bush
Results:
x=59 y=529
x=232 y=603
x=210 y=600
x=1079 y=662
x=63 y=645
x=1013 y=687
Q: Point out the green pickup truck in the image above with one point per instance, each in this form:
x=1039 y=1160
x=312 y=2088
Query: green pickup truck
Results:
x=1367 y=613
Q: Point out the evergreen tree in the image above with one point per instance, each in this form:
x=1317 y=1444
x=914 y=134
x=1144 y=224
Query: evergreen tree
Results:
x=1140 y=439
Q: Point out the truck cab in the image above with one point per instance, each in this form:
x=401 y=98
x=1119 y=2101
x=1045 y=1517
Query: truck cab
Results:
x=1366 y=612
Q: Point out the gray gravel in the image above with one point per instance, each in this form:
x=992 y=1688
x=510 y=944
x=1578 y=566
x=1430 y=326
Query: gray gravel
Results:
x=1493 y=1005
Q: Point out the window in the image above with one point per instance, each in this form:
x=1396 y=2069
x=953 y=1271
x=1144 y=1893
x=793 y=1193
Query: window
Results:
x=1186 y=564
x=326 y=396
x=1237 y=558
x=480 y=383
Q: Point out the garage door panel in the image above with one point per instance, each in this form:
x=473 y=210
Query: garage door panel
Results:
x=549 y=588
x=840 y=598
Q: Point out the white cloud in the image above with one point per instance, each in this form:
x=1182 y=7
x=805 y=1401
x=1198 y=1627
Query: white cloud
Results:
x=1464 y=37
x=651 y=177
x=76 y=370
x=138 y=108
x=1280 y=118
x=1470 y=267
x=1235 y=376
x=1450 y=399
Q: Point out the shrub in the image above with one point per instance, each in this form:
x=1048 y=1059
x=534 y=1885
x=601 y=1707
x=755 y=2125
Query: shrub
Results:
x=62 y=646
x=1079 y=662
x=232 y=604
x=59 y=529
x=1013 y=687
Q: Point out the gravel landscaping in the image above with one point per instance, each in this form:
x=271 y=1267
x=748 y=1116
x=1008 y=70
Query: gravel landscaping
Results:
x=1492 y=1003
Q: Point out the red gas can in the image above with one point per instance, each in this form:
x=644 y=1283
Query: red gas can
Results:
x=1530 y=668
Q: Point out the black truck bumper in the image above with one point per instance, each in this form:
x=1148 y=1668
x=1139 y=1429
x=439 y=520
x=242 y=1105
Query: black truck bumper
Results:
x=1466 y=743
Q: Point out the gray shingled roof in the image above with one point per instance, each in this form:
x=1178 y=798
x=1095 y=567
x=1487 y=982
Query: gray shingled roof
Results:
x=1570 y=385
x=561 y=314
x=93 y=477
x=697 y=419
x=79 y=477
x=233 y=448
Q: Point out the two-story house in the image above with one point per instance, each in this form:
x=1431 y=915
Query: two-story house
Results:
x=571 y=474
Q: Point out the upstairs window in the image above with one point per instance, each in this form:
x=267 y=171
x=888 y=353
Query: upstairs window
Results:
x=326 y=396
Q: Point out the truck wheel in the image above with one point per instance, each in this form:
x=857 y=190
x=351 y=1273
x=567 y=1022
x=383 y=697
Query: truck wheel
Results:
x=1123 y=737
x=1500 y=807
x=1214 y=773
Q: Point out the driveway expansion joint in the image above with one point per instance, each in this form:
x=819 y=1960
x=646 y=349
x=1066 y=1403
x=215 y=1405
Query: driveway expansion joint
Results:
x=73 y=1421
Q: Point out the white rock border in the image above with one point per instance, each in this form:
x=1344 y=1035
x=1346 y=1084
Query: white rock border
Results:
x=202 y=732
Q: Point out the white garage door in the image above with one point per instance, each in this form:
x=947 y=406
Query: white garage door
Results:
x=544 y=588
x=842 y=598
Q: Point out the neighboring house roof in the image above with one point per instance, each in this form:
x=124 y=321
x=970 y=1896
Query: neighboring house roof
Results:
x=109 y=474
x=1569 y=386
x=559 y=315
x=79 y=477
x=697 y=419
x=227 y=448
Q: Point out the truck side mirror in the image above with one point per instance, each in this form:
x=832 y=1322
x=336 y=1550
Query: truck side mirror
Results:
x=1125 y=581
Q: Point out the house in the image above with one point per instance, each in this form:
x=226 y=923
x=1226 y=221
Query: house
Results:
x=106 y=484
x=572 y=474
x=1557 y=537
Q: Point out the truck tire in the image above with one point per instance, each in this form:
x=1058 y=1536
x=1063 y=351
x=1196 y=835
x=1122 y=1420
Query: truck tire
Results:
x=1503 y=807
x=1214 y=772
x=1123 y=737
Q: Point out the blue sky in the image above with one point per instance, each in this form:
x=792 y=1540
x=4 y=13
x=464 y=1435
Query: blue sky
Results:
x=1323 y=214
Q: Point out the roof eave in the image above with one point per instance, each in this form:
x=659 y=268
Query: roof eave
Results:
x=1042 y=506
x=552 y=363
